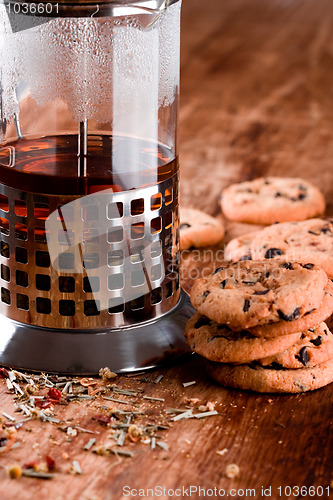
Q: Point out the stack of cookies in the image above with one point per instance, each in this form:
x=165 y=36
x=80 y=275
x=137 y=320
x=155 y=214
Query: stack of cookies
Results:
x=260 y=325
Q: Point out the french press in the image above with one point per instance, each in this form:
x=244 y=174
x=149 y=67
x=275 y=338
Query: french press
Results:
x=89 y=176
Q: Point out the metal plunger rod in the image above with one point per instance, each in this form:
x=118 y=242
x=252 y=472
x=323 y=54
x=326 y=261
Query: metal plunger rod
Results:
x=82 y=148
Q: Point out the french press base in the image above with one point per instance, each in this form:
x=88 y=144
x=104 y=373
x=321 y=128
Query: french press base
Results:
x=136 y=348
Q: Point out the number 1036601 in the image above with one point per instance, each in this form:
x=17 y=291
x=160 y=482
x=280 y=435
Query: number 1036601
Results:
x=304 y=491
x=32 y=8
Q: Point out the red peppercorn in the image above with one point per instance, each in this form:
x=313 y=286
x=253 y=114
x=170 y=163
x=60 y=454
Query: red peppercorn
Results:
x=4 y=373
x=50 y=462
x=43 y=403
x=102 y=419
x=54 y=394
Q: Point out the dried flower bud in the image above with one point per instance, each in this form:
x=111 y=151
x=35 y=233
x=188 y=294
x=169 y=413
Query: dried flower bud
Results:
x=34 y=413
x=106 y=373
x=11 y=432
x=14 y=471
x=134 y=432
x=30 y=389
x=231 y=471
x=101 y=450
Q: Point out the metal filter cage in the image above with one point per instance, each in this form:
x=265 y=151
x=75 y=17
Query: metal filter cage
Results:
x=114 y=265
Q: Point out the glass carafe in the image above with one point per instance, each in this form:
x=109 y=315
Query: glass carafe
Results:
x=89 y=178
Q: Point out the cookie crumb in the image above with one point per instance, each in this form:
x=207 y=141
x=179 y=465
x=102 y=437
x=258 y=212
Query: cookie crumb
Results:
x=232 y=471
x=106 y=373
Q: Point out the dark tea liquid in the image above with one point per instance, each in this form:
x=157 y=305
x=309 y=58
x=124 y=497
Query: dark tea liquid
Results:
x=51 y=165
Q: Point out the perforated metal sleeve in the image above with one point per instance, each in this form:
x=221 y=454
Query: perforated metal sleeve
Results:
x=104 y=260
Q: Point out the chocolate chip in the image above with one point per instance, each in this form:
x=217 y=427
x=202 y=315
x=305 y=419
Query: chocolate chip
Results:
x=184 y=226
x=224 y=327
x=272 y=252
x=205 y=294
x=223 y=283
x=218 y=270
x=267 y=275
x=203 y=321
x=246 y=305
x=326 y=230
x=246 y=257
x=261 y=292
x=288 y=265
x=294 y=315
x=312 y=232
x=276 y=366
x=301 y=196
x=308 y=266
x=309 y=312
x=3 y=441
x=316 y=341
x=278 y=194
x=303 y=356
x=217 y=337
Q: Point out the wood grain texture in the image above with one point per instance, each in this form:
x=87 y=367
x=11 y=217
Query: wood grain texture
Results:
x=256 y=99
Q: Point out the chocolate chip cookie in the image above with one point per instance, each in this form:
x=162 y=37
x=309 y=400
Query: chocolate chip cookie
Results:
x=254 y=377
x=249 y=293
x=314 y=347
x=240 y=248
x=272 y=199
x=198 y=229
x=219 y=343
x=310 y=241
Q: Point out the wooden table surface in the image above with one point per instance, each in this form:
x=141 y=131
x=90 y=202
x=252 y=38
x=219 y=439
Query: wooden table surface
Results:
x=257 y=98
